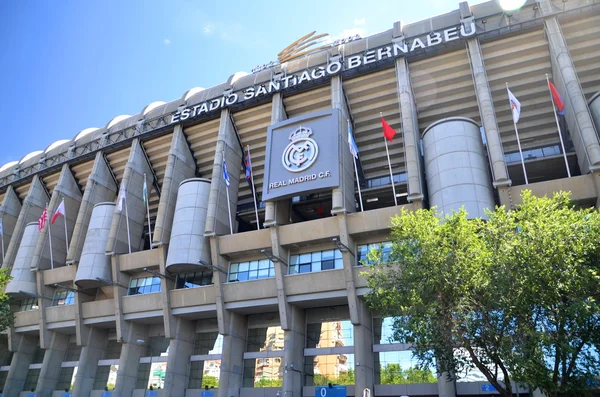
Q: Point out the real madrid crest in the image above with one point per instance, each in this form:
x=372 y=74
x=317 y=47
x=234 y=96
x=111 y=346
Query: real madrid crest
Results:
x=302 y=152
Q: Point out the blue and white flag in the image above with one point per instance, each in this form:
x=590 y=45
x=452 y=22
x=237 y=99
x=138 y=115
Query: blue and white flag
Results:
x=1 y=232
x=351 y=143
x=225 y=173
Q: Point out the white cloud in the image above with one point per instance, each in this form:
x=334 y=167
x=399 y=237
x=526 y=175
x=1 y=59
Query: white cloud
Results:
x=209 y=28
x=166 y=41
x=360 y=21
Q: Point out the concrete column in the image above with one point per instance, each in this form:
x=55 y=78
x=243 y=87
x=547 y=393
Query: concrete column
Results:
x=67 y=190
x=91 y=352
x=181 y=165
x=343 y=199
x=133 y=182
x=410 y=124
x=232 y=359
x=100 y=187
x=277 y=212
x=579 y=119
x=485 y=103
x=53 y=358
x=364 y=360
x=349 y=260
x=129 y=361
x=228 y=147
x=293 y=351
x=31 y=209
x=24 y=348
x=446 y=385
x=281 y=270
x=9 y=213
x=181 y=347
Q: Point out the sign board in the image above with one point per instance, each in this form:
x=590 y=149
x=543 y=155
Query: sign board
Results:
x=207 y=394
x=302 y=155
x=151 y=393
x=326 y=391
x=106 y=394
x=487 y=387
x=31 y=394
x=66 y=394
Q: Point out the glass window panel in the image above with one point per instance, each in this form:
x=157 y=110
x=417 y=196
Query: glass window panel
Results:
x=305 y=268
x=400 y=367
x=263 y=273
x=316 y=256
x=305 y=258
x=233 y=268
x=339 y=263
x=327 y=265
x=294 y=259
x=329 y=254
x=253 y=265
x=338 y=254
x=264 y=264
x=321 y=370
x=243 y=267
x=271 y=272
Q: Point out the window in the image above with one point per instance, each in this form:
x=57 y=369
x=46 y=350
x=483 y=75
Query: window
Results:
x=193 y=280
x=63 y=297
x=113 y=350
x=531 y=154
x=29 y=304
x=385 y=180
x=208 y=343
x=31 y=380
x=329 y=334
x=400 y=367
x=382 y=253
x=146 y=285
x=333 y=368
x=106 y=376
x=143 y=375
x=263 y=372
x=265 y=339
x=316 y=261
x=204 y=374
x=252 y=270
x=66 y=378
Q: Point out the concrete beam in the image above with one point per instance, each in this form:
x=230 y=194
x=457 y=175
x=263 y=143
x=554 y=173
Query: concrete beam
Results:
x=181 y=165
x=31 y=209
x=100 y=187
x=228 y=148
x=9 y=214
x=132 y=183
x=67 y=190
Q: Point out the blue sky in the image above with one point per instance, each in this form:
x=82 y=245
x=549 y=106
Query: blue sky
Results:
x=69 y=65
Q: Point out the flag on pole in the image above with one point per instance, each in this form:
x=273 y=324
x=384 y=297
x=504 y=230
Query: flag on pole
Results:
x=352 y=143
x=515 y=106
x=43 y=219
x=121 y=199
x=1 y=231
x=248 y=166
x=388 y=131
x=59 y=211
x=225 y=174
x=145 y=192
x=558 y=101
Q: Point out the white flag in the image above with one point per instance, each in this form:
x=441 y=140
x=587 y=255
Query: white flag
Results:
x=121 y=198
x=515 y=106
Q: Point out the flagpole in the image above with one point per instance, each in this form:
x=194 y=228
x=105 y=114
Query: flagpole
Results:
x=2 y=236
x=147 y=199
x=562 y=145
x=66 y=231
x=127 y=223
x=518 y=140
x=229 y=210
x=356 y=173
x=253 y=188
x=387 y=152
x=50 y=238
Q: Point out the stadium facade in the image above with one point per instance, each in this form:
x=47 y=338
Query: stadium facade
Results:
x=168 y=293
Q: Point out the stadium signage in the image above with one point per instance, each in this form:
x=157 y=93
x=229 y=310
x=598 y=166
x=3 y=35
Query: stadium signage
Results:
x=396 y=49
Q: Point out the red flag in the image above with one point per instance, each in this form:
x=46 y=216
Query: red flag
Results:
x=560 y=105
x=43 y=219
x=59 y=211
x=388 y=131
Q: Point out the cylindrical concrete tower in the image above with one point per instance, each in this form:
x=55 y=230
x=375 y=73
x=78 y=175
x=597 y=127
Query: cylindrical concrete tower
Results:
x=456 y=167
x=188 y=244
x=23 y=279
x=594 y=106
x=94 y=263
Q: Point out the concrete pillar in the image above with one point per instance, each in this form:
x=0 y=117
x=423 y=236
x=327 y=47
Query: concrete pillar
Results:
x=100 y=187
x=91 y=352
x=181 y=347
x=579 y=119
x=181 y=165
x=232 y=359
x=24 y=348
x=343 y=199
x=132 y=183
x=67 y=190
x=228 y=148
x=364 y=360
x=9 y=213
x=349 y=260
x=446 y=385
x=281 y=270
x=277 y=212
x=410 y=124
x=53 y=358
x=293 y=351
x=31 y=209
x=129 y=360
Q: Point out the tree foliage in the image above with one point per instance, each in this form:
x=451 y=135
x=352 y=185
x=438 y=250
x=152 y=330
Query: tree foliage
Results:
x=345 y=378
x=263 y=382
x=6 y=315
x=210 y=381
x=514 y=297
x=393 y=374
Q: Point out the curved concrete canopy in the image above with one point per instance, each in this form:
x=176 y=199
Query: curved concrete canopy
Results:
x=30 y=155
x=152 y=106
x=191 y=92
x=56 y=144
x=8 y=165
x=85 y=132
x=117 y=119
x=236 y=76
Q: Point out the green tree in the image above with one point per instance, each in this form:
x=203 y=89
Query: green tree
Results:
x=515 y=297
x=392 y=374
x=417 y=375
x=268 y=383
x=6 y=314
x=210 y=381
